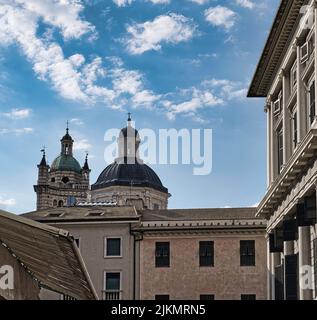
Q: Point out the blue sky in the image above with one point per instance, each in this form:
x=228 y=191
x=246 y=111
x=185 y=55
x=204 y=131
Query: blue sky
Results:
x=172 y=63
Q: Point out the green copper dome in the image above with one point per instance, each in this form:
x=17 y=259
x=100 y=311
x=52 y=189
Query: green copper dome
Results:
x=65 y=163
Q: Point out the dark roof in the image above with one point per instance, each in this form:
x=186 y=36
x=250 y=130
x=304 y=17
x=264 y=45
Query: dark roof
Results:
x=283 y=28
x=67 y=136
x=43 y=162
x=83 y=213
x=198 y=214
x=86 y=165
x=125 y=174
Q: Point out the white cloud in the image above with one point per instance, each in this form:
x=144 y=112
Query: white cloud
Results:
x=227 y=89
x=246 y=3
x=255 y=205
x=210 y=93
x=76 y=121
x=7 y=202
x=18 y=131
x=62 y=14
x=220 y=16
x=123 y=3
x=193 y=100
x=82 y=145
x=201 y=2
x=150 y=35
x=127 y=81
x=17 y=114
x=145 y=98
x=159 y=1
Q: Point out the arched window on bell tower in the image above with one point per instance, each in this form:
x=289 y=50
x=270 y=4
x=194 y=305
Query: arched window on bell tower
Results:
x=67 y=144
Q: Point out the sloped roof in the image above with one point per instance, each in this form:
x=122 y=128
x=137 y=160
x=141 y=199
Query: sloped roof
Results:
x=84 y=213
x=50 y=255
x=198 y=214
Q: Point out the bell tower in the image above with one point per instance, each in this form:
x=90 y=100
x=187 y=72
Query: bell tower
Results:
x=65 y=182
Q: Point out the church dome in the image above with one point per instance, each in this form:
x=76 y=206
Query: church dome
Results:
x=65 y=163
x=126 y=174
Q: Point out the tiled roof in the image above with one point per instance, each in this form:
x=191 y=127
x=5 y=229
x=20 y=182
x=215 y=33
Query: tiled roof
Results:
x=198 y=214
x=82 y=213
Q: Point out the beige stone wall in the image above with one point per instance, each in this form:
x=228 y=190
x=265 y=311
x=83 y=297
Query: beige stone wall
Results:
x=186 y=280
x=123 y=194
x=91 y=245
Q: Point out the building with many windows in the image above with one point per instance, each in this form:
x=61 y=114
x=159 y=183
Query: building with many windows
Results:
x=202 y=254
x=103 y=236
x=167 y=254
x=286 y=77
x=133 y=245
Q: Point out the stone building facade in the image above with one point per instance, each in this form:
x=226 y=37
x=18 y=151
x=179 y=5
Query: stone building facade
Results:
x=63 y=183
x=286 y=77
x=198 y=254
x=167 y=254
x=103 y=236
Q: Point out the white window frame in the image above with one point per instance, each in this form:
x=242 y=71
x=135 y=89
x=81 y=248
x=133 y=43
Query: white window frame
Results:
x=304 y=58
x=105 y=281
x=310 y=82
x=105 y=247
x=277 y=111
x=293 y=79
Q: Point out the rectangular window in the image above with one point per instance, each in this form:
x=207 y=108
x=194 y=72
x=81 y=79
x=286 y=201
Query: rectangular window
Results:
x=294 y=76
x=112 y=286
x=156 y=206
x=162 y=297
x=207 y=297
x=206 y=253
x=295 y=128
x=291 y=277
x=279 y=282
x=311 y=103
x=248 y=297
x=247 y=253
x=113 y=247
x=304 y=53
x=280 y=147
x=162 y=254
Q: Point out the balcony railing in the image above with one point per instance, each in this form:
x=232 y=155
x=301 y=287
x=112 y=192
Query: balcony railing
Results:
x=111 y=295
